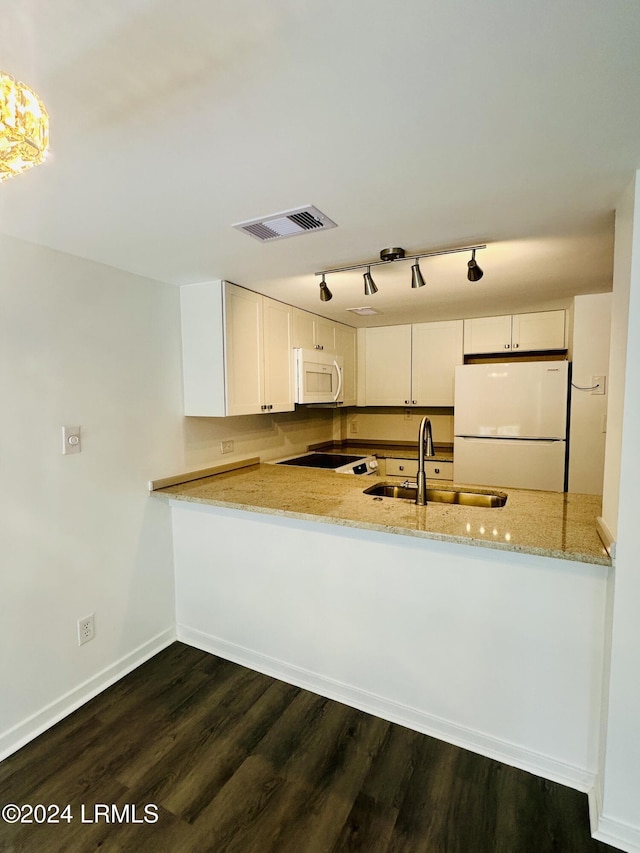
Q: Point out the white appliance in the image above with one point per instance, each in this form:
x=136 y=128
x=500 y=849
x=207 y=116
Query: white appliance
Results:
x=318 y=376
x=341 y=463
x=510 y=424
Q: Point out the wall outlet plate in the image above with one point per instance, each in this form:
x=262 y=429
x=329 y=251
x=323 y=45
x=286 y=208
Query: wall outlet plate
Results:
x=86 y=629
x=71 y=439
x=600 y=382
x=226 y=446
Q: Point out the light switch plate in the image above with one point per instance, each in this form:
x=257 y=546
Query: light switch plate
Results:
x=71 y=439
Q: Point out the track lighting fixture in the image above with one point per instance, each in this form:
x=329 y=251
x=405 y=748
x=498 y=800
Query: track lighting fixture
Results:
x=369 y=283
x=389 y=256
x=325 y=293
x=416 y=276
x=475 y=273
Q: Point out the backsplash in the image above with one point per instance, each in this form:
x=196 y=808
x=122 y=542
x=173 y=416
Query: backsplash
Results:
x=266 y=436
x=396 y=424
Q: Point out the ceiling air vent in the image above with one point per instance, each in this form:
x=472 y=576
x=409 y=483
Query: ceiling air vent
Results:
x=289 y=223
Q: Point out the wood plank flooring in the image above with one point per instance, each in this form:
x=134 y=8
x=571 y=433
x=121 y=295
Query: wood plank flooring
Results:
x=237 y=762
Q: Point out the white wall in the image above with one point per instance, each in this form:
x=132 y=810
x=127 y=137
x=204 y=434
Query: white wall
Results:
x=497 y=651
x=618 y=360
x=84 y=344
x=591 y=342
x=81 y=344
x=620 y=816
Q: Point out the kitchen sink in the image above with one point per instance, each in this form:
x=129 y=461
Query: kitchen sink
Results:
x=448 y=496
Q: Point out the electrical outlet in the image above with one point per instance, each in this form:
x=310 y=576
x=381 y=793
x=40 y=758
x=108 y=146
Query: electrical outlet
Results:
x=601 y=382
x=353 y=427
x=226 y=446
x=86 y=629
x=407 y=414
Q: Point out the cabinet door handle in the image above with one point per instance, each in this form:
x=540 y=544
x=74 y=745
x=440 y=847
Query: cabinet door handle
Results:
x=507 y=346
x=436 y=470
x=318 y=346
x=414 y=402
x=515 y=346
x=401 y=467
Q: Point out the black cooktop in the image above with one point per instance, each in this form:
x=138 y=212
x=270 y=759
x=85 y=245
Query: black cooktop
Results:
x=321 y=460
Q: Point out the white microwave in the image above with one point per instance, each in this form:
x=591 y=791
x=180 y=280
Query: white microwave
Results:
x=318 y=376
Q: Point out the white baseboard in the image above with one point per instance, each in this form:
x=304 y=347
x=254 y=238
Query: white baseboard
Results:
x=27 y=730
x=387 y=709
x=613 y=832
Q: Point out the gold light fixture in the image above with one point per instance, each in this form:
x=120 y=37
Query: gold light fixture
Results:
x=24 y=128
x=388 y=256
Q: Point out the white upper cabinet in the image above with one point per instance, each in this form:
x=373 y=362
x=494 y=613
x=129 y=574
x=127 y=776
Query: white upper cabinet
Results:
x=313 y=332
x=387 y=366
x=487 y=334
x=236 y=347
x=346 y=346
x=436 y=349
x=277 y=329
x=533 y=332
x=541 y=330
x=243 y=350
x=412 y=365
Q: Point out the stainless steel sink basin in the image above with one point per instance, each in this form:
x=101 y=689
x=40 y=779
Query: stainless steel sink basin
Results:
x=448 y=496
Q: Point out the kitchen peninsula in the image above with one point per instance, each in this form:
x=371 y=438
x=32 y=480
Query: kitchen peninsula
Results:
x=553 y=524
x=482 y=627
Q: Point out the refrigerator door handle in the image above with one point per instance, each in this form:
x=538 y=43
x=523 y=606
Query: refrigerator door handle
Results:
x=503 y=438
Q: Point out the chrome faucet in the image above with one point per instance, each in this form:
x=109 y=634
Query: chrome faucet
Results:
x=425 y=448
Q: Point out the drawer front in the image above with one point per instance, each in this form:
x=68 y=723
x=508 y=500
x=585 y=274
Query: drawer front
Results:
x=409 y=468
x=401 y=467
x=439 y=470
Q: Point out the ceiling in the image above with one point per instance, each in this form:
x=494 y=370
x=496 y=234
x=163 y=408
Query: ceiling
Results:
x=420 y=124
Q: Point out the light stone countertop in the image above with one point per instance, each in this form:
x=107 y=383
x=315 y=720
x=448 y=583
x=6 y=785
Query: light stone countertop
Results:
x=548 y=524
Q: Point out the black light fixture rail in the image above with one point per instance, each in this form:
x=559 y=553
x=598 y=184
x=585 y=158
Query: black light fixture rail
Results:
x=390 y=255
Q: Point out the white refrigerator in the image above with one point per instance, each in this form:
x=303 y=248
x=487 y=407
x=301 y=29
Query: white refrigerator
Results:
x=510 y=424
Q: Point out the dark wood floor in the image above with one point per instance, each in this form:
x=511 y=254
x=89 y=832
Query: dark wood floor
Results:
x=236 y=761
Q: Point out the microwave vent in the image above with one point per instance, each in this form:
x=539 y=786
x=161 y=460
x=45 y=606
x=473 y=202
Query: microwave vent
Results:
x=289 y=223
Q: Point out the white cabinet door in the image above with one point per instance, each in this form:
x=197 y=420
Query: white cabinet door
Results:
x=541 y=330
x=313 y=332
x=388 y=366
x=436 y=350
x=278 y=356
x=346 y=346
x=324 y=334
x=303 y=332
x=535 y=331
x=487 y=334
x=243 y=351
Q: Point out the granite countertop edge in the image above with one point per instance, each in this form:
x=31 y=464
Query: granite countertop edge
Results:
x=203 y=492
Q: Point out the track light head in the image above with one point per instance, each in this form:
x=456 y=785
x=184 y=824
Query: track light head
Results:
x=474 y=273
x=325 y=293
x=369 y=284
x=416 y=276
